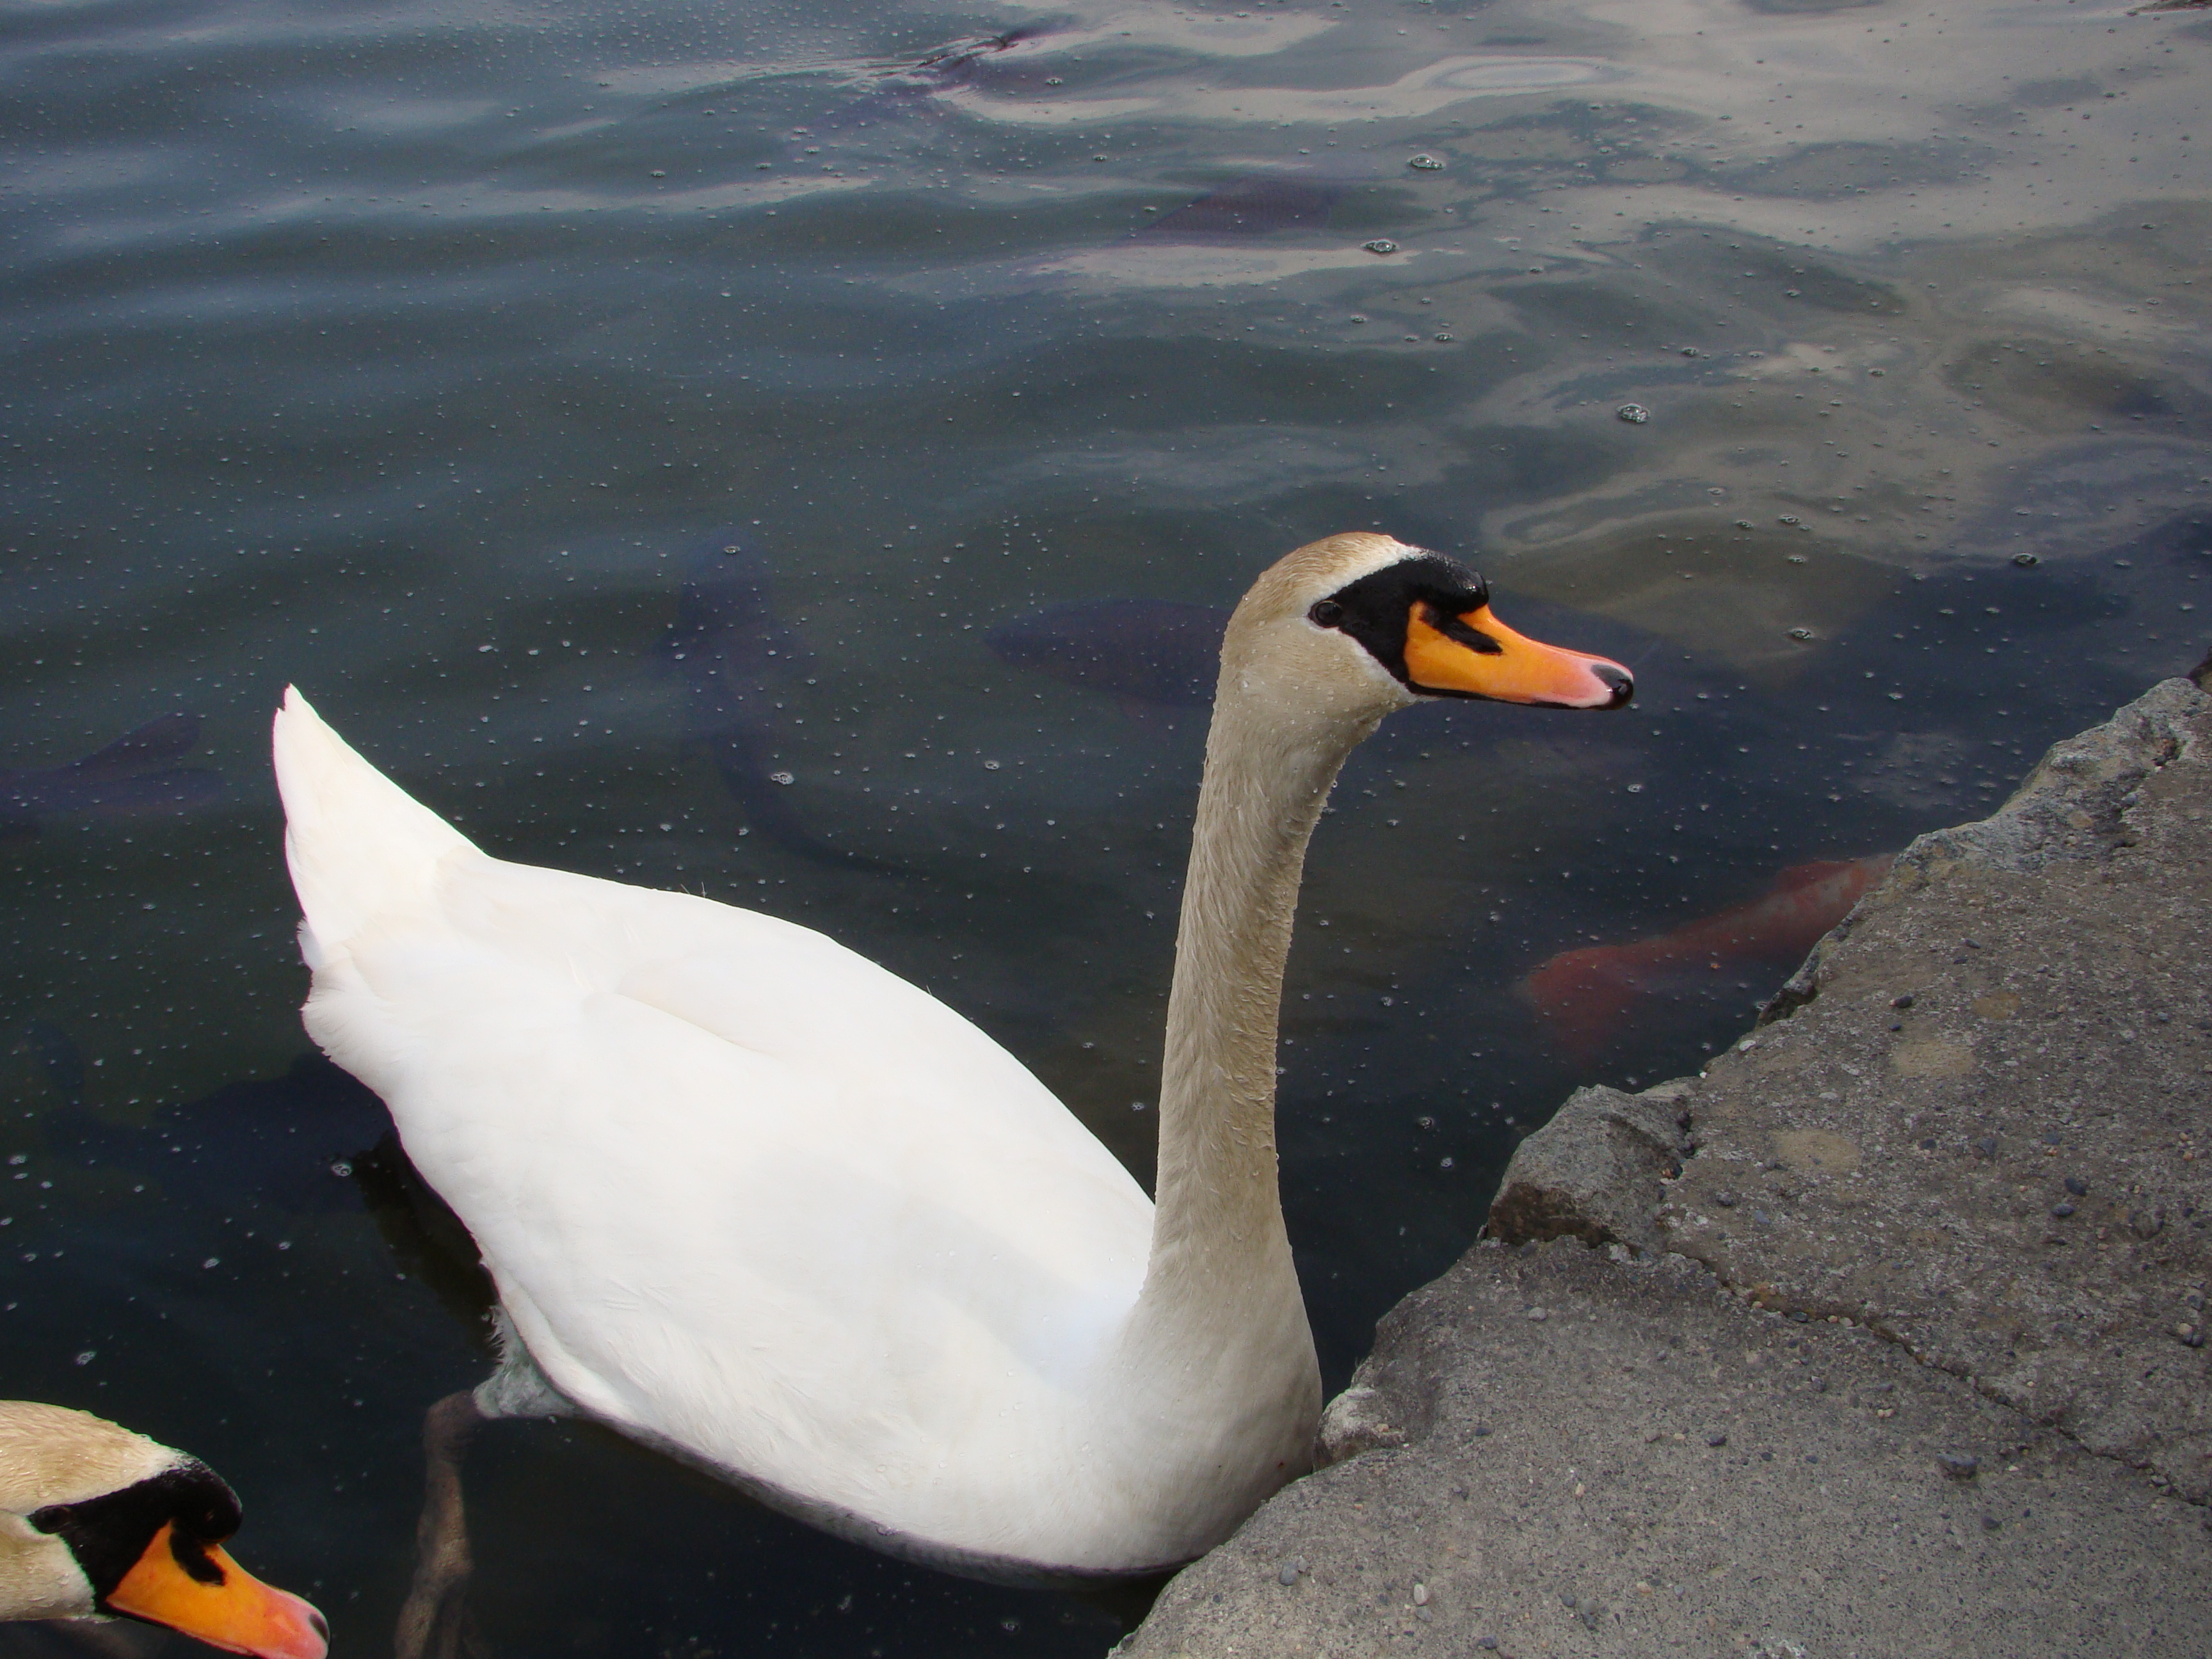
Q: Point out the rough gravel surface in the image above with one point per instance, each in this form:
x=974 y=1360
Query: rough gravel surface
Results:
x=1555 y=1486
x=2010 y=1173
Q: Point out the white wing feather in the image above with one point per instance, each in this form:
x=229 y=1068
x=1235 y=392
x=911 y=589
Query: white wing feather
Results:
x=741 y=1189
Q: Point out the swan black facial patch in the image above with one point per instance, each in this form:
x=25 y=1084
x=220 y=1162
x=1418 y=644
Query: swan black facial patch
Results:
x=108 y=1534
x=1376 y=609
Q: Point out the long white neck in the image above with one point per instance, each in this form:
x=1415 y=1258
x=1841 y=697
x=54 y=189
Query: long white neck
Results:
x=1220 y=1256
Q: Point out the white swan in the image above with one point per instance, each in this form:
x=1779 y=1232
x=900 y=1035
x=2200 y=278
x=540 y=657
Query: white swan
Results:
x=751 y=1199
x=98 y=1522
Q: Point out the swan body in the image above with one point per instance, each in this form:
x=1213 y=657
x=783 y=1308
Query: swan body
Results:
x=97 y=1522
x=750 y=1198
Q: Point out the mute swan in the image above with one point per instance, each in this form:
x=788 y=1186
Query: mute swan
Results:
x=98 y=1522
x=751 y=1199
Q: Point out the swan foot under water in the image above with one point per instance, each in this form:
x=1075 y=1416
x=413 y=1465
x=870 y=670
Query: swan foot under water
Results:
x=433 y=1621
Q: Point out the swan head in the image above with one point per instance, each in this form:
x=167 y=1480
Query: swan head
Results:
x=1361 y=624
x=106 y=1523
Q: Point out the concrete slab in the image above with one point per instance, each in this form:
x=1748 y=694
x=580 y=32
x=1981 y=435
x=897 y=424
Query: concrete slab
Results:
x=1558 y=1491
x=1923 y=1370
x=2008 y=1173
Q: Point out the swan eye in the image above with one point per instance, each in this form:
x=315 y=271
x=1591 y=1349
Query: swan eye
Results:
x=1326 y=613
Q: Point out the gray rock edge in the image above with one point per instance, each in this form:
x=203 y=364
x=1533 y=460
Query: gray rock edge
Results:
x=1556 y=1447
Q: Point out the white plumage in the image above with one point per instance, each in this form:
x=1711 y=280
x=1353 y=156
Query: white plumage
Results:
x=742 y=1191
x=749 y=1197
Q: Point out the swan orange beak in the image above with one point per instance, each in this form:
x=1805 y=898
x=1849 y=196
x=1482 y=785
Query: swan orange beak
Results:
x=1475 y=656
x=198 y=1589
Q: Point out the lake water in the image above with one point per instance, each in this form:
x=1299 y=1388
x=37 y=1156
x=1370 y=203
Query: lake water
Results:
x=431 y=358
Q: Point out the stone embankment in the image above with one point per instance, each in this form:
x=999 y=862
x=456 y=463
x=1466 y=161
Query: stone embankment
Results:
x=1884 y=1336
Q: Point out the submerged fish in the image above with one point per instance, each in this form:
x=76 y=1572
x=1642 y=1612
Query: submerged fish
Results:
x=738 y=663
x=1156 y=652
x=57 y=1056
x=1257 y=206
x=131 y=775
x=277 y=1139
x=954 y=64
x=1586 y=999
x=888 y=89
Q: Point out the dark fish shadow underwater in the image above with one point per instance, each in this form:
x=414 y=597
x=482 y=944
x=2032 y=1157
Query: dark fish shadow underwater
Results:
x=1148 y=655
x=1263 y=205
x=885 y=89
x=132 y=777
x=740 y=664
x=285 y=1141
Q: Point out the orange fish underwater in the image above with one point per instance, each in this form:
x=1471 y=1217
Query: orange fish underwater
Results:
x=1585 y=998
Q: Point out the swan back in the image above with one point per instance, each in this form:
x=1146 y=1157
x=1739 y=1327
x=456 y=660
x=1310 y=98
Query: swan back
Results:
x=744 y=1193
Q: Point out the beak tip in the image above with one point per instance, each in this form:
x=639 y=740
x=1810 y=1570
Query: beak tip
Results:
x=310 y=1635
x=1617 y=680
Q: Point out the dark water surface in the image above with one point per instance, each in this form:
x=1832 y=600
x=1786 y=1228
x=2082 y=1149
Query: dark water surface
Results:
x=432 y=356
